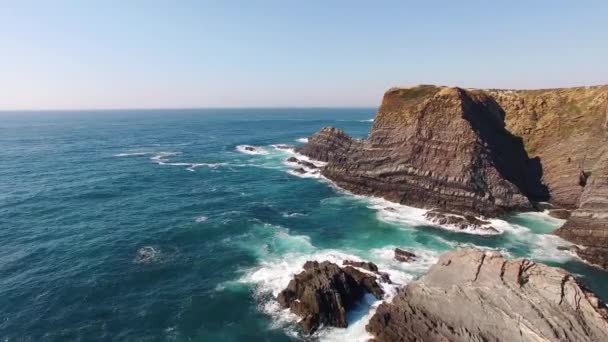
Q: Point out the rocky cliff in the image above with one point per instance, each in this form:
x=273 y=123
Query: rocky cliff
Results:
x=483 y=152
x=435 y=147
x=475 y=295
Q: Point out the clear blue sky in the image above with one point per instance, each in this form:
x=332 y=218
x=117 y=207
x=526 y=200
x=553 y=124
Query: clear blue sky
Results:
x=151 y=54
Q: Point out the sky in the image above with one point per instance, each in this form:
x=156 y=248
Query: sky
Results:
x=188 y=54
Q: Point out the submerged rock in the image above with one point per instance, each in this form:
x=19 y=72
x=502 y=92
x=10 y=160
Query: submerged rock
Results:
x=466 y=222
x=476 y=295
x=404 y=256
x=146 y=255
x=323 y=293
x=292 y=160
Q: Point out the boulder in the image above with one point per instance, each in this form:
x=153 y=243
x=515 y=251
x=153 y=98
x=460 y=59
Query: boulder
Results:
x=323 y=293
x=404 y=256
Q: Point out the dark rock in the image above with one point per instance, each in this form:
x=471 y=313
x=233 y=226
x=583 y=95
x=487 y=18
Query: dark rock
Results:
x=461 y=222
x=476 y=295
x=250 y=148
x=299 y=171
x=323 y=293
x=307 y=164
x=366 y=265
x=292 y=160
x=404 y=256
x=284 y=147
x=370 y=266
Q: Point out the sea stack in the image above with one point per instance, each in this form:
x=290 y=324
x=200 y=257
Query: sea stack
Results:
x=483 y=152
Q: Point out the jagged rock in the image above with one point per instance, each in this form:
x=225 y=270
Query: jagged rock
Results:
x=292 y=160
x=307 y=164
x=475 y=295
x=370 y=266
x=299 y=171
x=250 y=148
x=404 y=256
x=283 y=146
x=366 y=265
x=323 y=293
x=466 y=222
x=562 y=214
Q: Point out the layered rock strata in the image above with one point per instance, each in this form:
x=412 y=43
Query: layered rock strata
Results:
x=434 y=147
x=475 y=295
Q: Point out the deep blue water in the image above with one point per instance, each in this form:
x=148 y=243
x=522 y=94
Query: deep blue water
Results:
x=82 y=194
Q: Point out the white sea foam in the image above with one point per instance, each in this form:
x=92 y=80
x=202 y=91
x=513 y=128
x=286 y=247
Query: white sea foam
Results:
x=286 y=214
x=248 y=149
x=302 y=140
x=201 y=219
x=127 y=154
x=367 y=120
x=160 y=158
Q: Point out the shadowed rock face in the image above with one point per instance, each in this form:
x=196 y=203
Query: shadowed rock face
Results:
x=483 y=152
x=475 y=295
x=434 y=147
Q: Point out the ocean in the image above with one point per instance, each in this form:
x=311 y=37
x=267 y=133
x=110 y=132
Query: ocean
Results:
x=159 y=225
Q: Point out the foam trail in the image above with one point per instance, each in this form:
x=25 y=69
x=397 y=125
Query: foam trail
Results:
x=302 y=140
x=127 y=154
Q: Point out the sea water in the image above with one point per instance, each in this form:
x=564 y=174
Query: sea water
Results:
x=161 y=226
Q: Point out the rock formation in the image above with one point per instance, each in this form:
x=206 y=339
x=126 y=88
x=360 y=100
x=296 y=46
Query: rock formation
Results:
x=475 y=295
x=483 y=152
x=434 y=147
x=323 y=293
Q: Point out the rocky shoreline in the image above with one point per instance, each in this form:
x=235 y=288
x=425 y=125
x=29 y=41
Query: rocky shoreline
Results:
x=467 y=154
x=468 y=295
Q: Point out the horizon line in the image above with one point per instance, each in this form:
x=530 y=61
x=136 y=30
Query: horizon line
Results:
x=178 y=108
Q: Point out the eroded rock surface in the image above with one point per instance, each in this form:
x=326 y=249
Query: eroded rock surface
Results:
x=475 y=295
x=323 y=293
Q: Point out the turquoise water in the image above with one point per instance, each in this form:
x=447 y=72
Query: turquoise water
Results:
x=82 y=192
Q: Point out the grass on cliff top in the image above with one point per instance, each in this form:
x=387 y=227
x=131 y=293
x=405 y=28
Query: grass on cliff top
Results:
x=408 y=94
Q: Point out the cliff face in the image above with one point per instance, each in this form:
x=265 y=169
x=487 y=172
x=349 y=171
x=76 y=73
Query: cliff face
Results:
x=565 y=128
x=475 y=295
x=483 y=152
x=434 y=147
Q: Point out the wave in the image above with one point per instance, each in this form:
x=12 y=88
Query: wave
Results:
x=128 y=154
x=160 y=158
x=302 y=140
x=201 y=219
x=248 y=149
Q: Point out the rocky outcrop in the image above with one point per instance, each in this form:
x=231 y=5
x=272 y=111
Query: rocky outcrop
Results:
x=588 y=225
x=483 y=152
x=434 y=147
x=323 y=293
x=403 y=255
x=475 y=295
